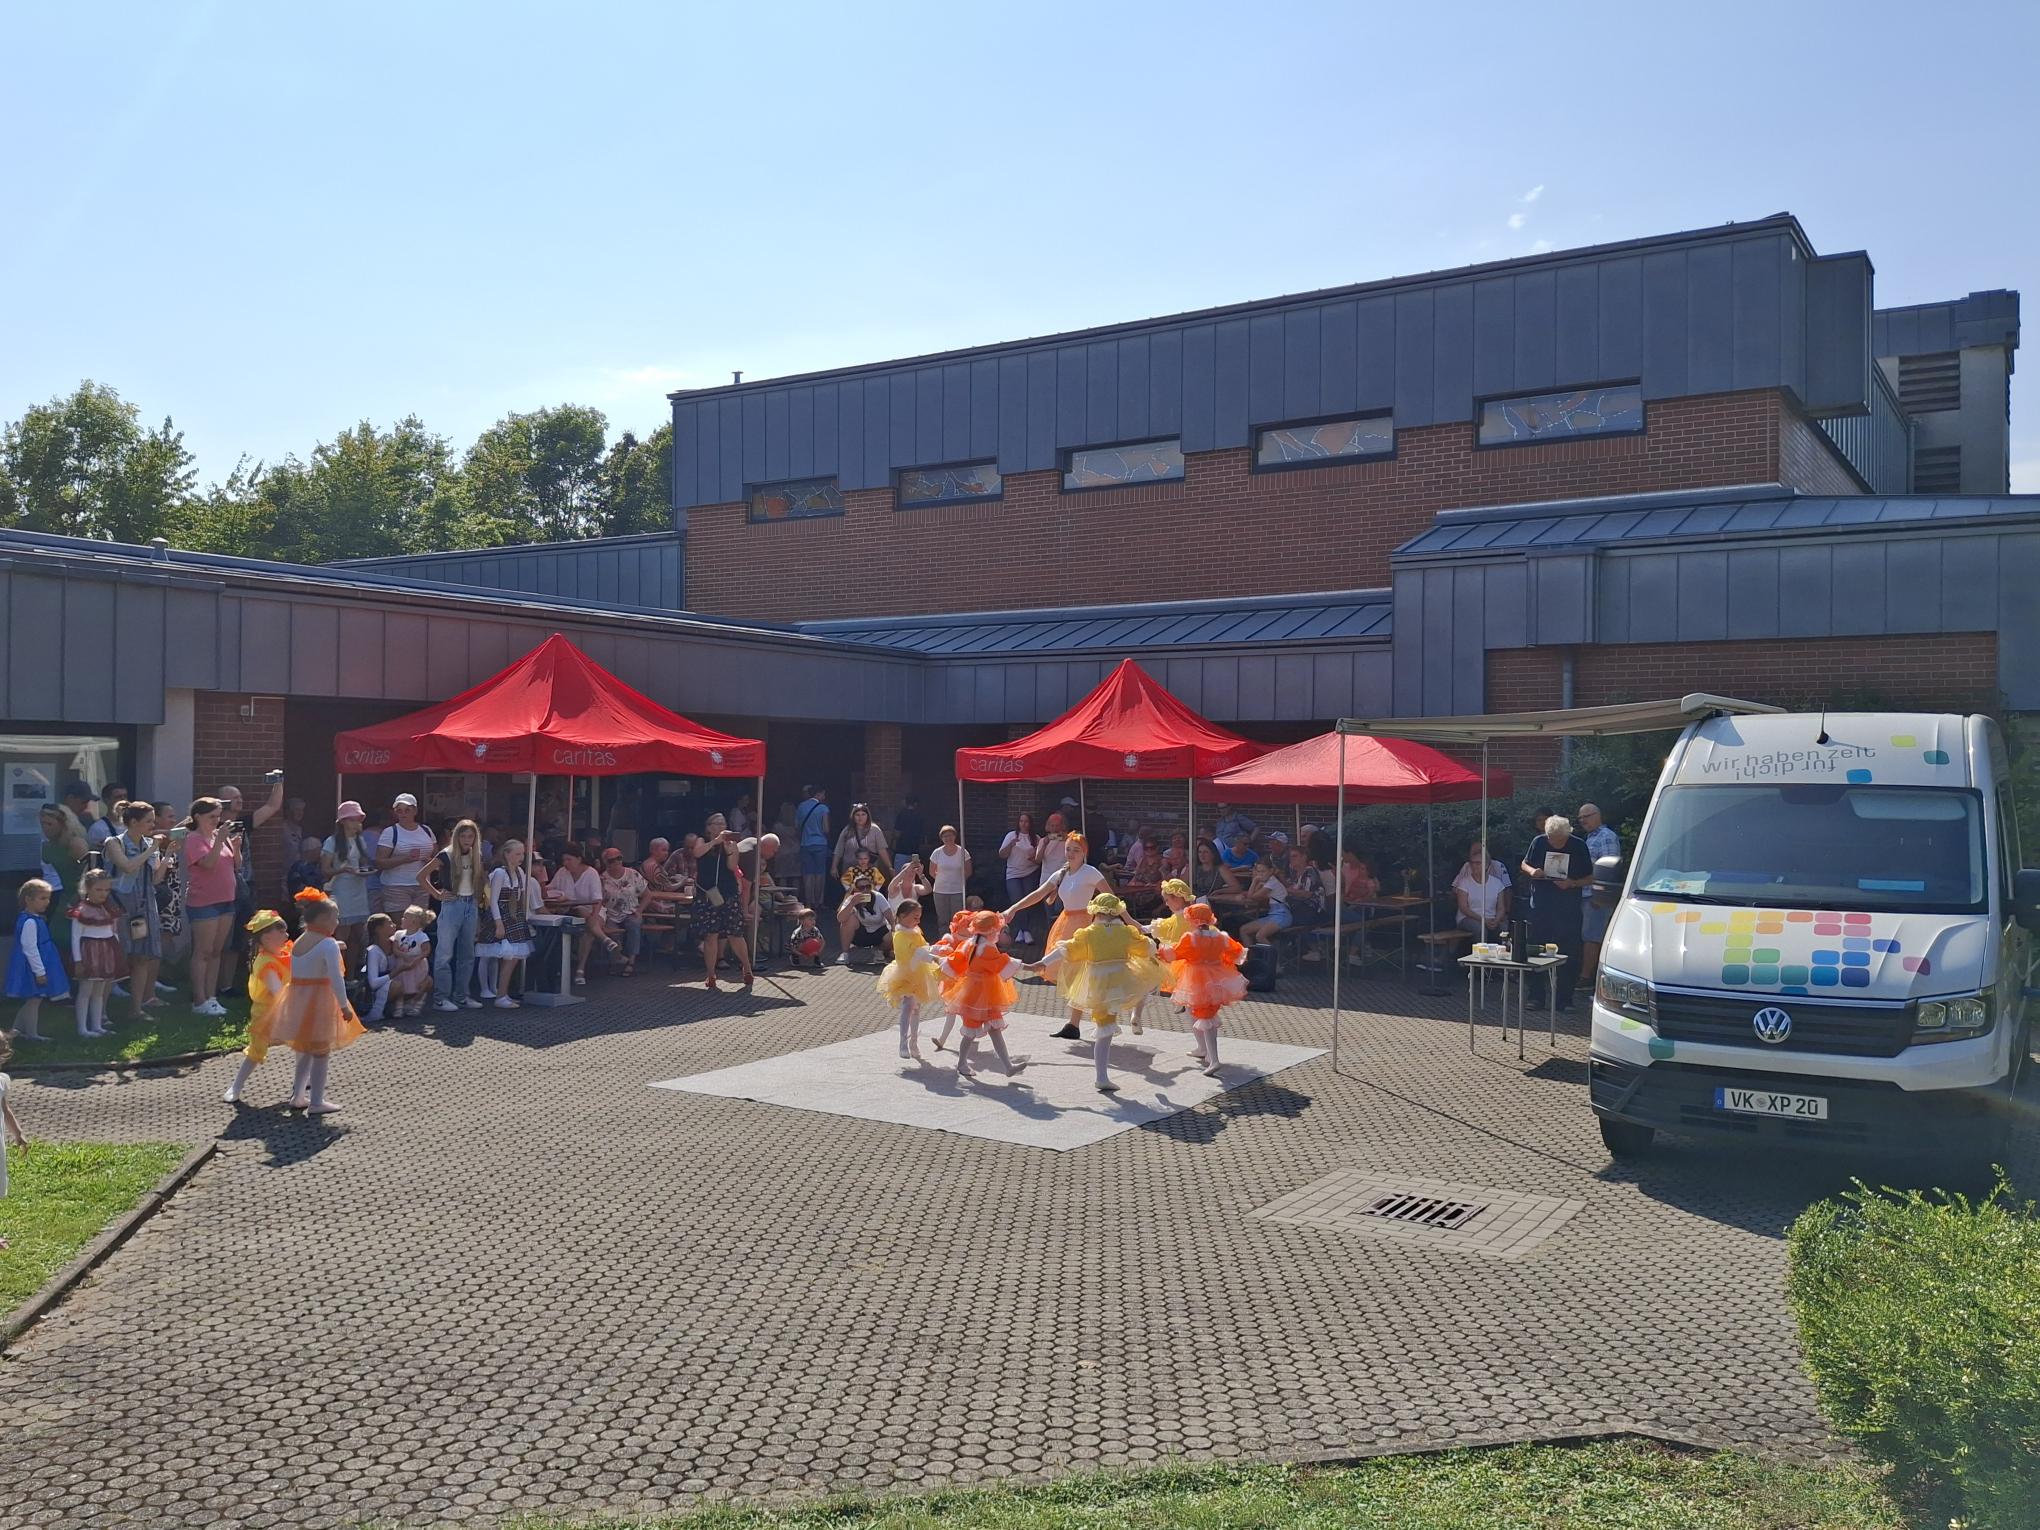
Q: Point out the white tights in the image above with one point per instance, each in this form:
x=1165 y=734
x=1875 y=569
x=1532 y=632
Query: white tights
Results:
x=948 y=1027
x=24 y=1020
x=91 y=1005
x=910 y=1027
x=1206 y=1032
x=969 y=1045
x=308 y=1087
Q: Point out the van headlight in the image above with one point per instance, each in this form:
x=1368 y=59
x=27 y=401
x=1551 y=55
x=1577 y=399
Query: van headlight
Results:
x=1953 y=1019
x=1626 y=995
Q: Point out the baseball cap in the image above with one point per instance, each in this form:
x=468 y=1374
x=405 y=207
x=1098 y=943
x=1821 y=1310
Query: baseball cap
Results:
x=403 y=799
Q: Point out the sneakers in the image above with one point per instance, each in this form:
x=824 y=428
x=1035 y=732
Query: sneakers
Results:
x=470 y=1004
x=505 y=1002
x=843 y=960
x=211 y=1007
x=445 y=1006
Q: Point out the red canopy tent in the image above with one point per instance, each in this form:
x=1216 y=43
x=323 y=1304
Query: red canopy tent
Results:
x=1372 y=770
x=1342 y=768
x=1128 y=729
x=554 y=711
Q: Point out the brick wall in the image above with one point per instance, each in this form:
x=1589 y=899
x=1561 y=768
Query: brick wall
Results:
x=1222 y=530
x=229 y=749
x=1808 y=460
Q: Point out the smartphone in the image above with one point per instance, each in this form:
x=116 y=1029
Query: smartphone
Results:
x=273 y=777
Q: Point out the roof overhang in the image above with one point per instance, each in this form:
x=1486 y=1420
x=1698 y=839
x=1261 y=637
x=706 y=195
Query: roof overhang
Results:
x=1565 y=722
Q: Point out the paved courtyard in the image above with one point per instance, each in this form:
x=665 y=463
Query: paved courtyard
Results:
x=513 y=1277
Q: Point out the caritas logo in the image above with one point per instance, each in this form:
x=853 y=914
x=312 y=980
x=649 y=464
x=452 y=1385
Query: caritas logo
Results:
x=583 y=757
x=993 y=765
x=368 y=757
x=1131 y=762
x=715 y=757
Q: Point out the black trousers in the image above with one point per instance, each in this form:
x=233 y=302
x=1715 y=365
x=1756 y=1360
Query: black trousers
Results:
x=1555 y=929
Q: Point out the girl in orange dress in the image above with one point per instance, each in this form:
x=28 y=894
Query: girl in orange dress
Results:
x=1207 y=977
x=959 y=934
x=984 y=992
x=268 y=977
x=315 y=1019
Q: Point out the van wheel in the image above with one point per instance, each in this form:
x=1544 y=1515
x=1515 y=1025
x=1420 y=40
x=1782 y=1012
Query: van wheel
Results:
x=1626 y=1139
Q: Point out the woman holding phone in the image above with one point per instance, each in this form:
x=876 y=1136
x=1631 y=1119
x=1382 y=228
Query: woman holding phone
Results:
x=719 y=897
x=139 y=858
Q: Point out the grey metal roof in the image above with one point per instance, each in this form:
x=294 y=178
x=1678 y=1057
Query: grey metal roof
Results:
x=1340 y=616
x=1750 y=510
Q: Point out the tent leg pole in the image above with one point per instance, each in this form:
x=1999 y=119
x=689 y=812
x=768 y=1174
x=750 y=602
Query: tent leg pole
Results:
x=757 y=887
x=1338 y=902
x=959 y=810
x=1190 y=825
x=1434 y=982
x=531 y=821
x=595 y=811
x=339 y=792
x=1084 y=815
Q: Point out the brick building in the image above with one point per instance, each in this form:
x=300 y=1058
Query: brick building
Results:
x=1704 y=460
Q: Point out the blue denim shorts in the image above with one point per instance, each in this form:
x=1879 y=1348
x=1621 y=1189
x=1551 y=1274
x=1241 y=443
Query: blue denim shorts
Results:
x=198 y=913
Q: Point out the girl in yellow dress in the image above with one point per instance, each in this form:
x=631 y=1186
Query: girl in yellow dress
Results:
x=1104 y=971
x=1166 y=931
x=268 y=977
x=315 y=1020
x=913 y=978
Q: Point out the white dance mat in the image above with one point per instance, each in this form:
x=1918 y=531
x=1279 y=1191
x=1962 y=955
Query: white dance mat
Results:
x=1051 y=1103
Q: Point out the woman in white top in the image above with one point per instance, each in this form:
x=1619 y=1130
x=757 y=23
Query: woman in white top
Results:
x=950 y=863
x=507 y=920
x=860 y=833
x=1021 y=850
x=455 y=879
x=1482 y=892
x=1074 y=886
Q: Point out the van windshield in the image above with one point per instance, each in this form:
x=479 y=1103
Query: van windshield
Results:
x=1919 y=849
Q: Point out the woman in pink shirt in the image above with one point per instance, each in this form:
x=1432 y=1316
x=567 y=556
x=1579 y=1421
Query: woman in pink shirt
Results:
x=210 y=853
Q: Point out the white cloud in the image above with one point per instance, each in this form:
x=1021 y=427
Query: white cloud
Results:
x=1534 y=192
x=1540 y=247
x=1517 y=220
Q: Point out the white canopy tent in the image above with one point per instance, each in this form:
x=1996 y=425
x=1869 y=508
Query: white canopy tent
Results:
x=1567 y=722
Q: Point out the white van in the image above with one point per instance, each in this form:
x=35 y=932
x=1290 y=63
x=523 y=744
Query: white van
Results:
x=1824 y=936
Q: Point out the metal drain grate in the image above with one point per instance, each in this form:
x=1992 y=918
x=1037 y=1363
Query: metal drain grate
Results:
x=1424 y=1210
x=1432 y=1213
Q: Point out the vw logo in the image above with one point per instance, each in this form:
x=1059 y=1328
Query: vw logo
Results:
x=1772 y=1024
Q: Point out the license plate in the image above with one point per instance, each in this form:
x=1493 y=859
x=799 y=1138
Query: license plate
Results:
x=1762 y=1102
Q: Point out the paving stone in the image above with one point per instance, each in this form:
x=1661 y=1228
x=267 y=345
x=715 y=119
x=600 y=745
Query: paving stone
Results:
x=513 y=1278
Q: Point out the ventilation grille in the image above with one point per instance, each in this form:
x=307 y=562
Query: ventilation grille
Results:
x=1937 y=470
x=1927 y=384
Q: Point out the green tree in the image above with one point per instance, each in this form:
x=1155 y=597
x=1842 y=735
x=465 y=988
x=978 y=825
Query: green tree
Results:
x=85 y=466
x=367 y=493
x=635 y=485
x=537 y=475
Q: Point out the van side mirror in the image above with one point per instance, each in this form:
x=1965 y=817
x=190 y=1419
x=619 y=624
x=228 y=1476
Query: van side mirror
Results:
x=2026 y=898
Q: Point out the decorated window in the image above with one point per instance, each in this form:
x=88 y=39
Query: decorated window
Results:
x=795 y=499
x=1616 y=410
x=1114 y=467
x=948 y=485
x=1281 y=446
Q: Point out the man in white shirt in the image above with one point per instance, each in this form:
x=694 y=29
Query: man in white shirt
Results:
x=1482 y=892
x=1601 y=841
x=401 y=851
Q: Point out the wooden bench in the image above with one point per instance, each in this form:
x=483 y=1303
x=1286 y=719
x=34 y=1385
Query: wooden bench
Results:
x=1441 y=949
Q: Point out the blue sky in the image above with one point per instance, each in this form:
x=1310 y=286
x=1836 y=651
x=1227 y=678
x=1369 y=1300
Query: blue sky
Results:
x=273 y=221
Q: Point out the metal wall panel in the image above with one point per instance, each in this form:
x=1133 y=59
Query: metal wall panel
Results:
x=1200 y=385
x=1838 y=352
x=1710 y=331
x=1562 y=601
x=800 y=432
x=2019 y=624
x=983 y=440
x=1452 y=344
x=778 y=448
x=1230 y=407
x=1858 y=588
x=1338 y=357
x=1494 y=336
x=1665 y=330
x=227 y=645
x=1912 y=586
x=314 y=649
x=1469 y=641
x=1101 y=393
x=83 y=650
x=1653 y=598
x=405 y=635
x=1576 y=302
x=1805 y=591
x=828 y=413
x=1753 y=592
x=1756 y=309
x=1536 y=359
x=1302 y=364
x=1415 y=358
x=954 y=444
x=1703 y=597
x=1409 y=655
x=140 y=641
x=1970 y=583
x=35 y=630
x=1622 y=321
x=1165 y=383
x=1132 y=367
x=1264 y=369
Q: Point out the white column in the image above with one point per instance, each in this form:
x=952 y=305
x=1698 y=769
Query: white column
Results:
x=165 y=753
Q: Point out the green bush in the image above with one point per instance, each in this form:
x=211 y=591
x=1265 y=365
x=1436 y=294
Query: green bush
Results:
x=1920 y=1318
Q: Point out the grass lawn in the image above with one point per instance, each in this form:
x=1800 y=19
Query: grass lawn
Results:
x=1617 y=1485
x=61 y=1195
x=166 y=1032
